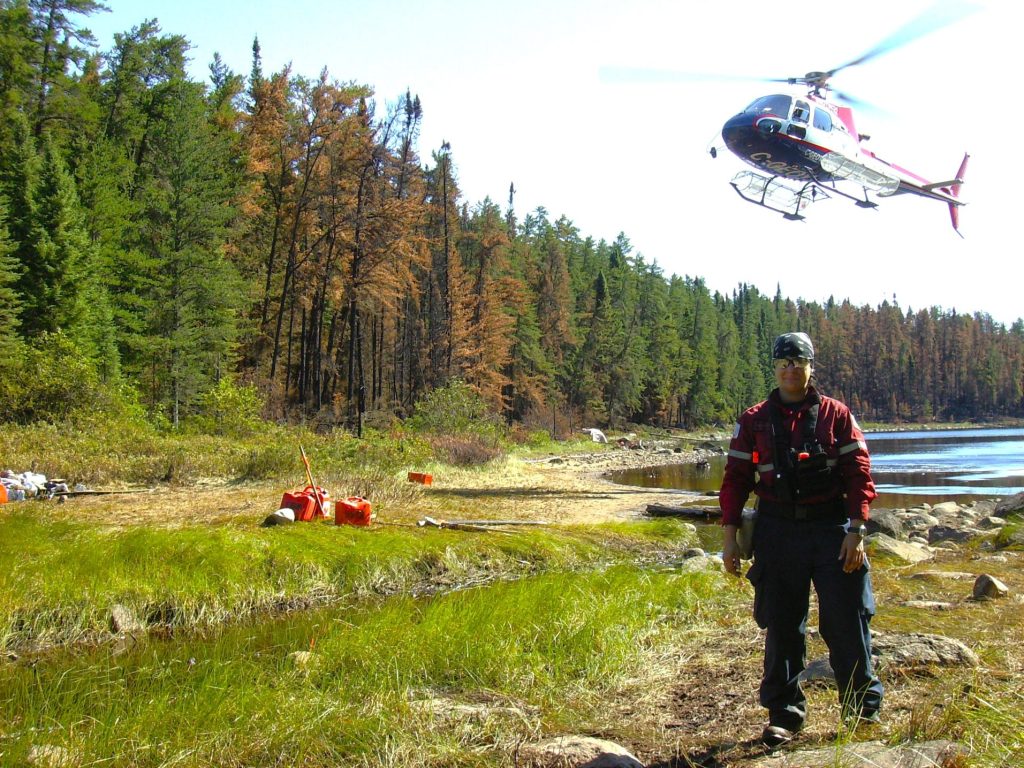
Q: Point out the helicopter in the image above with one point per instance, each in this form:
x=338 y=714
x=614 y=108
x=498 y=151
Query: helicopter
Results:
x=814 y=142
x=805 y=146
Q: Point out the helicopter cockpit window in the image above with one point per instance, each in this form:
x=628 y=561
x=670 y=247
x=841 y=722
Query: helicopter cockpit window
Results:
x=771 y=105
x=822 y=120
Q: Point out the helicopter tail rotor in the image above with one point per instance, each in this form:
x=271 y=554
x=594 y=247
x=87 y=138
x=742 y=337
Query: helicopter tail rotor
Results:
x=954 y=190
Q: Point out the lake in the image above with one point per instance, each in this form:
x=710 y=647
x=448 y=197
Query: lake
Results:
x=908 y=467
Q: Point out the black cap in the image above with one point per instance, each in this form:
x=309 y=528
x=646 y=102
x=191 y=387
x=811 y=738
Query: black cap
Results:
x=796 y=344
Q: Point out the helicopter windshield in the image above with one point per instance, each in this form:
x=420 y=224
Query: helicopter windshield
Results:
x=777 y=105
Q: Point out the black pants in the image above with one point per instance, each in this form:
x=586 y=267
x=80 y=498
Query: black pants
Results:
x=789 y=556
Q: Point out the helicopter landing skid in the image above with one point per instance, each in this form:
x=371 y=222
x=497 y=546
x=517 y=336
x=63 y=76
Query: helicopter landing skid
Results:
x=774 y=194
x=865 y=203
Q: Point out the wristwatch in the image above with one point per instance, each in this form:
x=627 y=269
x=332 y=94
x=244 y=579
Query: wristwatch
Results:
x=860 y=529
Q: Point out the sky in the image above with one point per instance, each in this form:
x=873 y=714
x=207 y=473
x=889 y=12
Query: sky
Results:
x=521 y=92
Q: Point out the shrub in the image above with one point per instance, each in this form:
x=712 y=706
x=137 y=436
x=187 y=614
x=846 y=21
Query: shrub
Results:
x=455 y=409
x=230 y=410
x=50 y=381
x=464 y=450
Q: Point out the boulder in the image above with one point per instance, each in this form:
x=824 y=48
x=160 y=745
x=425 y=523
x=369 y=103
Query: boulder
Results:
x=927 y=605
x=946 y=508
x=942 y=575
x=887 y=521
x=939 y=533
x=879 y=543
x=991 y=522
x=576 y=752
x=983 y=508
x=918 y=651
x=123 y=621
x=927 y=754
x=986 y=586
x=1013 y=505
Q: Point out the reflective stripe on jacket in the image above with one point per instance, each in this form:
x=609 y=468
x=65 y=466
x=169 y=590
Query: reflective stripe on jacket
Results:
x=837 y=432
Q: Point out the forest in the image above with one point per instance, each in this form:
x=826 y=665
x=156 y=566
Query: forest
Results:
x=170 y=242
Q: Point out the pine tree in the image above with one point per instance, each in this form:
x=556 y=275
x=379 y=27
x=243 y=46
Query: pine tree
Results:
x=194 y=290
x=10 y=303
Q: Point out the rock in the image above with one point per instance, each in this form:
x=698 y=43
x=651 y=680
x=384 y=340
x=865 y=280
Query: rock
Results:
x=991 y=522
x=984 y=508
x=304 y=661
x=946 y=533
x=1010 y=535
x=942 y=575
x=928 y=754
x=916 y=651
x=576 y=752
x=1014 y=505
x=465 y=711
x=946 y=508
x=49 y=756
x=879 y=543
x=694 y=552
x=282 y=516
x=819 y=669
x=917 y=520
x=887 y=521
x=986 y=586
x=928 y=605
x=124 y=622
x=700 y=563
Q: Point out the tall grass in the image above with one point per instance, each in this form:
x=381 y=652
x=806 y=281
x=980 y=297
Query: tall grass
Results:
x=549 y=649
x=59 y=579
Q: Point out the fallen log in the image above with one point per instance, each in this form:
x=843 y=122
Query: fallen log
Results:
x=55 y=494
x=668 y=510
x=474 y=525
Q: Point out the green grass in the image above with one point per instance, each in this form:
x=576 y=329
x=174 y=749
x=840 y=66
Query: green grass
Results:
x=552 y=646
x=59 y=579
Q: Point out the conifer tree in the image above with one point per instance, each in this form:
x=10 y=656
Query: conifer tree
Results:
x=193 y=289
x=10 y=303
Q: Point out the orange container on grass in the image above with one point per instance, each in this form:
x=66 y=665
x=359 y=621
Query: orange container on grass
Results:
x=304 y=503
x=421 y=477
x=355 y=510
x=3 y=493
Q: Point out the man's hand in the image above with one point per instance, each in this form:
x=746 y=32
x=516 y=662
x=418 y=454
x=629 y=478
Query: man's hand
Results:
x=851 y=553
x=730 y=549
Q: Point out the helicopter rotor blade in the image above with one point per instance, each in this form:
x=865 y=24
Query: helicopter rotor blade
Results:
x=860 y=104
x=934 y=18
x=656 y=75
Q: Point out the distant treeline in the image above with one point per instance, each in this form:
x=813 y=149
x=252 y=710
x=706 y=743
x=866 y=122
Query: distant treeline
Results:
x=281 y=232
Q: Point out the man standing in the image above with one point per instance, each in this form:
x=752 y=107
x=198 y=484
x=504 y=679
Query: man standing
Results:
x=805 y=458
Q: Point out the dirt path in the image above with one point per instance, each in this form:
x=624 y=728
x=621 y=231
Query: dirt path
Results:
x=560 y=489
x=563 y=489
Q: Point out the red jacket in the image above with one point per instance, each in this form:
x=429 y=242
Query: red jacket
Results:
x=752 y=449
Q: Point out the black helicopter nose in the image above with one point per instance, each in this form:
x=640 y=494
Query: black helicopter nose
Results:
x=738 y=130
x=746 y=131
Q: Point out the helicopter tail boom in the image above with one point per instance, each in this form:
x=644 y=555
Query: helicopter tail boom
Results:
x=954 y=190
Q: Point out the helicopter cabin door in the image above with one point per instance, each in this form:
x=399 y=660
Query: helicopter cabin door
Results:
x=799 y=118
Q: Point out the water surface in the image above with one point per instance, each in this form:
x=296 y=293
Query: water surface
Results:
x=908 y=467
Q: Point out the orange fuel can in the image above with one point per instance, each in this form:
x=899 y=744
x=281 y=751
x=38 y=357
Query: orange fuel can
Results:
x=304 y=503
x=355 y=510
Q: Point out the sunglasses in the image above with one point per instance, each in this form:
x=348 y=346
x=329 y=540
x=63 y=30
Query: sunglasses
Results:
x=783 y=363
